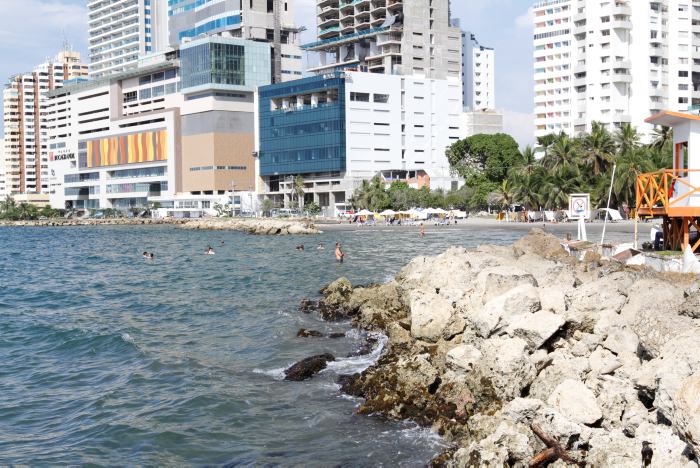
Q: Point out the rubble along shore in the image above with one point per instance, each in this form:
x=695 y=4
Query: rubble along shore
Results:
x=523 y=355
x=249 y=225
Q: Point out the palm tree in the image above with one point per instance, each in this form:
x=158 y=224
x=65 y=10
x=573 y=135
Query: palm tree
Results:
x=527 y=188
x=598 y=148
x=371 y=195
x=298 y=190
x=627 y=138
x=662 y=137
x=563 y=152
x=504 y=195
x=546 y=141
x=558 y=185
x=267 y=206
x=630 y=165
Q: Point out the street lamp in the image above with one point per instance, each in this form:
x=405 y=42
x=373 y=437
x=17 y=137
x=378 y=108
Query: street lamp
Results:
x=233 y=199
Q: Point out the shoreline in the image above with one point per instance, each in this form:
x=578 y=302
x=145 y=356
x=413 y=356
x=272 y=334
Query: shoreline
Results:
x=258 y=226
x=506 y=351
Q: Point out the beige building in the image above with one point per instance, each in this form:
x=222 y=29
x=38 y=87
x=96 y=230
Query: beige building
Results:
x=171 y=131
x=25 y=116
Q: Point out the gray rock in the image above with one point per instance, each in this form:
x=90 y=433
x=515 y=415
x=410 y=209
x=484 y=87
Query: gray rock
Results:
x=430 y=314
x=492 y=282
x=575 y=401
x=495 y=313
x=535 y=328
x=463 y=358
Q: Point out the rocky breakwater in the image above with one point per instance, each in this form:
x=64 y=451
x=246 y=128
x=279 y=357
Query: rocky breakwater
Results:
x=254 y=226
x=522 y=355
x=61 y=222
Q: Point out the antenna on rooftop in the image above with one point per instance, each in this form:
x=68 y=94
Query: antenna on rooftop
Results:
x=67 y=46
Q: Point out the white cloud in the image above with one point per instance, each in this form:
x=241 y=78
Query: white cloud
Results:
x=525 y=20
x=36 y=28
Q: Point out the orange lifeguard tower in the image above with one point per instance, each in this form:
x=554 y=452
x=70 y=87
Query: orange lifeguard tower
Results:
x=674 y=194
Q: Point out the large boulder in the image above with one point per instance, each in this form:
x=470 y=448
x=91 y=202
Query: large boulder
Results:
x=585 y=303
x=494 y=281
x=575 y=401
x=307 y=368
x=535 y=328
x=687 y=411
x=430 y=314
x=495 y=313
x=338 y=292
x=463 y=358
x=505 y=366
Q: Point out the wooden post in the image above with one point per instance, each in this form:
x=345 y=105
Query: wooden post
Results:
x=686 y=234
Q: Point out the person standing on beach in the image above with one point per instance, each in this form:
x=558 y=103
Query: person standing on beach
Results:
x=339 y=254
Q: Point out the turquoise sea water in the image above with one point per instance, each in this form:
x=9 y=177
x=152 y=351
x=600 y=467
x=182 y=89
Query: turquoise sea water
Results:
x=109 y=359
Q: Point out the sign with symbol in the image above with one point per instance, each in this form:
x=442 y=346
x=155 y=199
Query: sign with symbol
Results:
x=580 y=206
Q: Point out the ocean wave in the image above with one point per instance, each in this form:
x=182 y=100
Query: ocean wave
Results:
x=356 y=364
x=277 y=374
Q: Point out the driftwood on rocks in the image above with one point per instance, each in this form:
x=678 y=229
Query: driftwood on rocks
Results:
x=504 y=349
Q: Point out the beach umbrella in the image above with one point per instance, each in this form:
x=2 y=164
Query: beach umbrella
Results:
x=364 y=213
x=388 y=213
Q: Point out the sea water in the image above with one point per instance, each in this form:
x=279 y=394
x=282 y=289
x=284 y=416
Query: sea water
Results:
x=107 y=358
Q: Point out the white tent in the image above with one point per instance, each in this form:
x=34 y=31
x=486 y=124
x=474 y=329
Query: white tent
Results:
x=550 y=216
x=388 y=213
x=459 y=214
x=417 y=213
x=364 y=213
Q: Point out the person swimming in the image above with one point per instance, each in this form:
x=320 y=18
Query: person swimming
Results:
x=145 y=255
x=422 y=230
x=300 y=247
x=321 y=247
x=209 y=251
x=339 y=254
x=152 y=256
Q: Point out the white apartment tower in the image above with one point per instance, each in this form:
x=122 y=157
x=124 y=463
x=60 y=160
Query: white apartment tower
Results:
x=478 y=74
x=122 y=30
x=25 y=117
x=399 y=37
x=613 y=61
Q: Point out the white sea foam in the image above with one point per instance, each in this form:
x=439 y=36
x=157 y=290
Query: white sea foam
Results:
x=126 y=337
x=277 y=374
x=355 y=364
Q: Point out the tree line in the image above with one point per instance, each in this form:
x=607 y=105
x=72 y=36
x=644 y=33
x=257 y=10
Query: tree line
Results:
x=498 y=174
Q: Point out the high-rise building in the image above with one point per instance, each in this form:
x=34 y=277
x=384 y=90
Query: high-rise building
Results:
x=386 y=101
x=270 y=21
x=25 y=117
x=178 y=130
x=478 y=74
x=3 y=190
x=404 y=37
x=120 y=31
x=613 y=62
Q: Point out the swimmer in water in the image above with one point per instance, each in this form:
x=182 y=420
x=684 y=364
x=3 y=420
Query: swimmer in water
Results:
x=321 y=247
x=209 y=251
x=300 y=248
x=339 y=254
x=145 y=255
x=422 y=230
x=152 y=256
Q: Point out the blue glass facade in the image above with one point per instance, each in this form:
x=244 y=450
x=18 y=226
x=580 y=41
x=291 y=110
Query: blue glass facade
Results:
x=229 y=64
x=211 y=26
x=305 y=140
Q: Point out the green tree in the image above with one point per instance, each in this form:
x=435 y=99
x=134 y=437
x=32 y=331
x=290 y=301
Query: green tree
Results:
x=598 y=149
x=484 y=157
x=662 y=138
x=298 y=190
x=563 y=152
x=627 y=139
x=544 y=142
x=267 y=206
x=630 y=165
x=371 y=195
x=313 y=209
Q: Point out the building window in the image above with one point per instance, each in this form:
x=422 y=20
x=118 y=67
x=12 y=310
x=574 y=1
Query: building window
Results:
x=359 y=97
x=130 y=96
x=381 y=98
x=213 y=63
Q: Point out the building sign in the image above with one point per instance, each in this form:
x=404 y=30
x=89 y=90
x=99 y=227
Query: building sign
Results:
x=62 y=157
x=580 y=206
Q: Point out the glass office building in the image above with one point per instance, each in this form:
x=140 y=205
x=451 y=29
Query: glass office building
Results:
x=302 y=126
x=223 y=63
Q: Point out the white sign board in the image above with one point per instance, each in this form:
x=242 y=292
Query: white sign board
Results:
x=580 y=206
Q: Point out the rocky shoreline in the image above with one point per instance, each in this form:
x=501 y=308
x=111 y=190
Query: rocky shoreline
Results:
x=249 y=225
x=525 y=356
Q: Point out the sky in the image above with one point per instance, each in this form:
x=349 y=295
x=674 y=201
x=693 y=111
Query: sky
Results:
x=33 y=30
